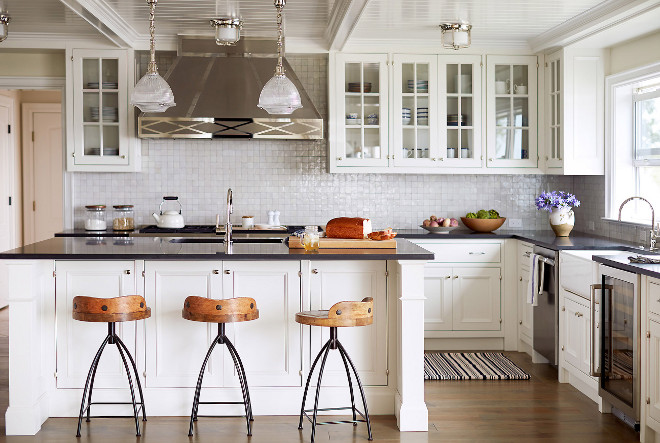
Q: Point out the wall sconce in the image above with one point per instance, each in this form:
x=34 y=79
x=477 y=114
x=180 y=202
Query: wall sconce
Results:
x=227 y=30
x=4 y=26
x=456 y=35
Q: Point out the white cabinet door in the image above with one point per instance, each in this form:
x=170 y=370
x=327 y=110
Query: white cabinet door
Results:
x=77 y=341
x=653 y=380
x=270 y=346
x=476 y=299
x=177 y=347
x=334 y=281
x=438 y=303
x=526 y=310
x=574 y=333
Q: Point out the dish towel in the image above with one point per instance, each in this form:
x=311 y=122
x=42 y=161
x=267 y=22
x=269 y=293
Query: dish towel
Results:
x=536 y=278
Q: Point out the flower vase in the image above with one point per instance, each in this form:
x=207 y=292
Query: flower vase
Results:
x=562 y=221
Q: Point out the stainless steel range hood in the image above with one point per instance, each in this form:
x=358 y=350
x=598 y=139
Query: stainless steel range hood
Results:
x=216 y=89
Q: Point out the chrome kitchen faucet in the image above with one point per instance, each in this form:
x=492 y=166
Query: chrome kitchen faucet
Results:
x=655 y=230
x=230 y=208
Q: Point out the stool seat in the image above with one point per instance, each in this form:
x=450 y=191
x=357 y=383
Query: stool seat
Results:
x=209 y=310
x=341 y=314
x=110 y=310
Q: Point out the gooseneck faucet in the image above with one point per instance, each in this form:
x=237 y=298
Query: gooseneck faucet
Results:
x=655 y=231
x=230 y=208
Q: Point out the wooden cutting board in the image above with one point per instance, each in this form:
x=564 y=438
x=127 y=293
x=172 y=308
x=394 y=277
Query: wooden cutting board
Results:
x=345 y=243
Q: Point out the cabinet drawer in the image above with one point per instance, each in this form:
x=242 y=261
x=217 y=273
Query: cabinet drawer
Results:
x=525 y=250
x=654 y=297
x=464 y=252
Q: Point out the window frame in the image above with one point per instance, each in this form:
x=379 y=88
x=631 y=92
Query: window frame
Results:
x=620 y=130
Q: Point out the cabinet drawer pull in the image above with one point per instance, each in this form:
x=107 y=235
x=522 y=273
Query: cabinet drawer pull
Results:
x=227 y=271
x=477 y=253
x=315 y=271
x=528 y=253
x=216 y=272
x=455 y=276
x=447 y=276
x=127 y=272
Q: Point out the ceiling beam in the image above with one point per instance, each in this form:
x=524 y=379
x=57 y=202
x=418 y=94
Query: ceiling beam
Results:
x=344 y=17
x=105 y=20
x=591 y=22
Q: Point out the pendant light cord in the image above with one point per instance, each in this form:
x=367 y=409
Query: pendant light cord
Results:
x=152 y=69
x=279 y=69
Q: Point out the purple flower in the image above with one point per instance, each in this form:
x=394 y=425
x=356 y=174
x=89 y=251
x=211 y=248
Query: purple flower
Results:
x=556 y=199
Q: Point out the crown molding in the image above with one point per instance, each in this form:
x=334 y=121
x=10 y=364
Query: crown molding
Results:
x=434 y=46
x=597 y=19
x=40 y=40
x=105 y=20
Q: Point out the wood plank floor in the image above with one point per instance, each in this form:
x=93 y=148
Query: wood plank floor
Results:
x=536 y=410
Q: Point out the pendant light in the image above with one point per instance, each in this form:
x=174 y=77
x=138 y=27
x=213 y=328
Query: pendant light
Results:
x=456 y=35
x=152 y=93
x=4 y=26
x=227 y=30
x=279 y=95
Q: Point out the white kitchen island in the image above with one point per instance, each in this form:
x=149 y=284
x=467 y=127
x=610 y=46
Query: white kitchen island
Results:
x=50 y=353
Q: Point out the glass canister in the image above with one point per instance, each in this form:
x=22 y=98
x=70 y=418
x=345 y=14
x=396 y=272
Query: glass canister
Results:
x=95 y=218
x=310 y=239
x=123 y=218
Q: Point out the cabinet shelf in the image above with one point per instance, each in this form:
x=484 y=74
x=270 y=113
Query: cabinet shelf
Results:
x=358 y=94
x=510 y=95
x=412 y=94
x=113 y=123
x=454 y=94
x=100 y=90
x=416 y=127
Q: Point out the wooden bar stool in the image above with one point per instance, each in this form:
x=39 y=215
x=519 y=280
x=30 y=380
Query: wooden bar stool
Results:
x=342 y=314
x=221 y=311
x=111 y=311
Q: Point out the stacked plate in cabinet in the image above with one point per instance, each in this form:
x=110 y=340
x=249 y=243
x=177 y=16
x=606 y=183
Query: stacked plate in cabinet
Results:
x=106 y=85
x=355 y=87
x=406 y=115
x=110 y=114
x=422 y=86
x=423 y=116
x=452 y=120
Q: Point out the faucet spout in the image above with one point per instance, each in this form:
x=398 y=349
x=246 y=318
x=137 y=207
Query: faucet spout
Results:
x=228 y=228
x=655 y=232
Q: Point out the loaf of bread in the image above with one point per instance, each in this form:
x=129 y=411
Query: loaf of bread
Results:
x=348 y=227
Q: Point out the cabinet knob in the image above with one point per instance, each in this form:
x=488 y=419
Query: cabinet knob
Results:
x=520 y=322
x=490 y=159
x=520 y=278
x=562 y=348
x=447 y=276
x=340 y=158
x=579 y=314
x=315 y=271
x=547 y=158
x=648 y=400
x=216 y=272
x=123 y=156
x=441 y=159
x=455 y=276
x=563 y=308
x=434 y=159
x=227 y=271
x=127 y=272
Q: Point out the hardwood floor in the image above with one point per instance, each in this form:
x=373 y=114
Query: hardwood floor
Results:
x=536 y=410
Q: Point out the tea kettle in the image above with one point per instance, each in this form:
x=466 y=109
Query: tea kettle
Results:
x=169 y=219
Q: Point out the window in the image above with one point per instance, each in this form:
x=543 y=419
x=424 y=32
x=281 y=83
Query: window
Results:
x=633 y=144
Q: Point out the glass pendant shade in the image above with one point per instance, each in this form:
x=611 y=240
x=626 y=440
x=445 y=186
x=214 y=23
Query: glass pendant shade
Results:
x=456 y=35
x=279 y=96
x=227 y=30
x=152 y=94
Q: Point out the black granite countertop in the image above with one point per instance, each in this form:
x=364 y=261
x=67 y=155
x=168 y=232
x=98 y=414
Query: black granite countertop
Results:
x=164 y=248
x=84 y=233
x=546 y=239
x=620 y=261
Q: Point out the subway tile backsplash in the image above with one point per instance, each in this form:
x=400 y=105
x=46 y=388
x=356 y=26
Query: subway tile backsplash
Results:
x=290 y=176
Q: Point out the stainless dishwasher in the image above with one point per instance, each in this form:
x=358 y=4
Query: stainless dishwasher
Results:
x=546 y=312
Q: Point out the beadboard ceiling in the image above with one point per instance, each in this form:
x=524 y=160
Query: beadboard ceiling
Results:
x=311 y=25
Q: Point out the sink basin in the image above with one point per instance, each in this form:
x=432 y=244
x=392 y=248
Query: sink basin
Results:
x=236 y=240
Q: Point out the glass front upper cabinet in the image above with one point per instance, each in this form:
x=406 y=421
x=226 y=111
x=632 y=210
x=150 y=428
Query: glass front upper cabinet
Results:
x=100 y=107
x=460 y=110
x=415 y=111
x=512 y=111
x=362 y=116
x=554 y=143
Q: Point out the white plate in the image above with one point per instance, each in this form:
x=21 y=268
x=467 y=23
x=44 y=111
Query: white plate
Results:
x=439 y=229
x=268 y=227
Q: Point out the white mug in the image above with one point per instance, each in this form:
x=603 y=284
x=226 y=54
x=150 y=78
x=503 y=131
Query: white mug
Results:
x=451 y=152
x=502 y=87
x=519 y=89
x=248 y=221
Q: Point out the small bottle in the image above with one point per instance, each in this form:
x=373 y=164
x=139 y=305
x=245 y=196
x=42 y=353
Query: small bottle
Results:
x=95 y=218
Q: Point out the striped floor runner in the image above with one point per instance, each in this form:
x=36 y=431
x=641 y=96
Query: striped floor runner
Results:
x=471 y=366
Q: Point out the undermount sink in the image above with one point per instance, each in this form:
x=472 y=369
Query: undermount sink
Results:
x=270 y=240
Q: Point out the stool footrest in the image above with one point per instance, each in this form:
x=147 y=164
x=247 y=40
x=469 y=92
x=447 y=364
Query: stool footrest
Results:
x=219 y=416
x=336 y=422
x=220 y=403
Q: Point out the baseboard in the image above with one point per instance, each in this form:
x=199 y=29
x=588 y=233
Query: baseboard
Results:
x=464 y=344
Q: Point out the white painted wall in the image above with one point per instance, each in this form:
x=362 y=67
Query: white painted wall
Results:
x=32 y=64
x=635 y=53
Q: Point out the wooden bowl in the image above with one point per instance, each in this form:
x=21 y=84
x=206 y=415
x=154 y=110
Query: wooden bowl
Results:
x=483 y=224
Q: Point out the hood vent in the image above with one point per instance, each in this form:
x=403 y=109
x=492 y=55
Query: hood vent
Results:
x=216 y=89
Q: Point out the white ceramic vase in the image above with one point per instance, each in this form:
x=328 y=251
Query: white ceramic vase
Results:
x=562 y=220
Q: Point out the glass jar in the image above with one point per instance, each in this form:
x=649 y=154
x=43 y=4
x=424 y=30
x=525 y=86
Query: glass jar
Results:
x=123 y=218
x=310 y=239
x=95 y=218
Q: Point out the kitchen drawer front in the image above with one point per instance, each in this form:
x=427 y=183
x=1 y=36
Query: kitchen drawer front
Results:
x=525 y=250
x=654 y=296
x=576 y=275
x=451 y=252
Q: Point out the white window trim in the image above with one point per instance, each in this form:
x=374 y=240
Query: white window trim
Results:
x=612 y=82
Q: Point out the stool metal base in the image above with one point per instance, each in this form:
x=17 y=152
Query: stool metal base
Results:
x=112 y=338
x=334 y=343
x=222 y=339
